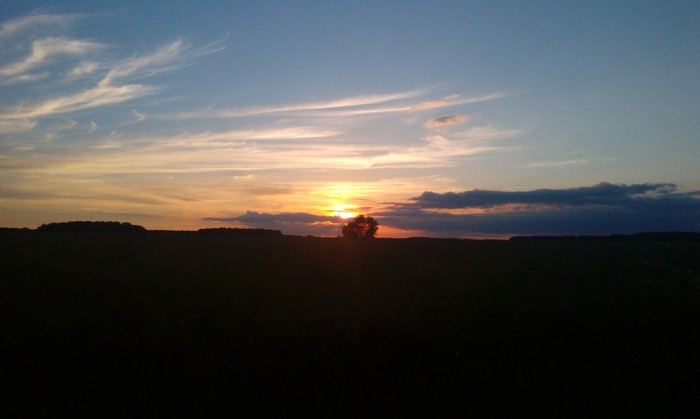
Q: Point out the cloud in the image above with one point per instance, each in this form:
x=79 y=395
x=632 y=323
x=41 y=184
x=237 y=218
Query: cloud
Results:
x=138 y=116
x=87 y=99
x=171 y=57
x=344 y=107
x=486 y=134
x=108 y=90
x=83 y=69
x=226 y=137
x=434 y=151
x=349 y=102
x=448 y=120
x=43 y=50
x=15 y=26
x=430 y=104
x=301 y=223
x=601 y=194
x=600 y=209
x=555 y=163
x=18 y=125
x=452 y=100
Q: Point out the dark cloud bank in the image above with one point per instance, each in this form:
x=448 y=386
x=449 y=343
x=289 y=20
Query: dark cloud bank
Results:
x=600 y=209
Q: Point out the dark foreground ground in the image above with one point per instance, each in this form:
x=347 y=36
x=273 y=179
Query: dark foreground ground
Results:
x=159 y=323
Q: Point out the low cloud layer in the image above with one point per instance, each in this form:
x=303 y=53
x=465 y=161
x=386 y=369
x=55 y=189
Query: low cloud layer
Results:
x=601 y=194
x=600 y=209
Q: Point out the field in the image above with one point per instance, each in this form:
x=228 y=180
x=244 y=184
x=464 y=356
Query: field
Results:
x=159 y=323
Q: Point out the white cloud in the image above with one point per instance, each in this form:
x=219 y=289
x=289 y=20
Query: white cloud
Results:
x=15 y=26
x=107 y=92
x=350 y=102
x=19 y=125
x=91 y=98
x=44 y=49
x=344 y=107
x=224 y=138
x=138 y=116
x=488 y=133
x=555 y=163
x=83 y=69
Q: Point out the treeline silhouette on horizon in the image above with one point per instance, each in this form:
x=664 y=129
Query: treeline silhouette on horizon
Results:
x=126 y=227
x=91 y=227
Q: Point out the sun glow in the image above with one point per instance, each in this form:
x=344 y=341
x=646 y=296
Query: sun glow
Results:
x=342 y=212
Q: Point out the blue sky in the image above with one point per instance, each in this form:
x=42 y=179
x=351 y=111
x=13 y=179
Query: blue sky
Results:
x=183 y=115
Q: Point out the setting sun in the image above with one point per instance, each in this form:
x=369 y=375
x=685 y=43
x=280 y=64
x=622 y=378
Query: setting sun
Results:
x=342 y=212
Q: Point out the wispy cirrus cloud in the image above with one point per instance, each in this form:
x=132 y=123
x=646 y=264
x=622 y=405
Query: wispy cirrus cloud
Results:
x=83 y=69
x=111 y=89
x=42 y=51
x=270 y=148
x=555 y=163
x=349 y=102
x=344 y=107
x=21 y=24
x=213 y=139
x=17 y=125
x=114 y=79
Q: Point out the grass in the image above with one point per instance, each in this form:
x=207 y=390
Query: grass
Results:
x=161 y=323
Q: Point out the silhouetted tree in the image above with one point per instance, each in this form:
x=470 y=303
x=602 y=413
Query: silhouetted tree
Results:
x=361 y=228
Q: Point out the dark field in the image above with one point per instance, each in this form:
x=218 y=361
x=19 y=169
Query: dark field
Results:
x=159 y=323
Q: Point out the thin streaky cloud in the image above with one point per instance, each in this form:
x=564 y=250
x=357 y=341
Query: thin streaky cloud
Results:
x=555 y=163
x=91 y=98
x=349 y=102
x=333 y=108
x=83 y=69
x=169 y=58
x=433 y=103
x=487 y=133
x=19 y=125
x=138 y=116
x=451 y=100
x=15 y=26
x=356 y=112
x=254 y=134
x=44 y=49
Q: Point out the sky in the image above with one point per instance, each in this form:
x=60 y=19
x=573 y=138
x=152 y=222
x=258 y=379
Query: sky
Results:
x=460 y=119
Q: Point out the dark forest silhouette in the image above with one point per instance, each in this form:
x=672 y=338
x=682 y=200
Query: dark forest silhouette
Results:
x=91 y=227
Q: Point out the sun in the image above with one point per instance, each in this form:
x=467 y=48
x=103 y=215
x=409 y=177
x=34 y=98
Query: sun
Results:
x=342 y=211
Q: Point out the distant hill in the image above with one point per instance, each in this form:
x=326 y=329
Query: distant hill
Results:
x=637 y=237
x=91 y=227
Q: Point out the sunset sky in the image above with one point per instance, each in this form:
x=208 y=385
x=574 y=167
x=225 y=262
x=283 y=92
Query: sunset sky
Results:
x=442 y=119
